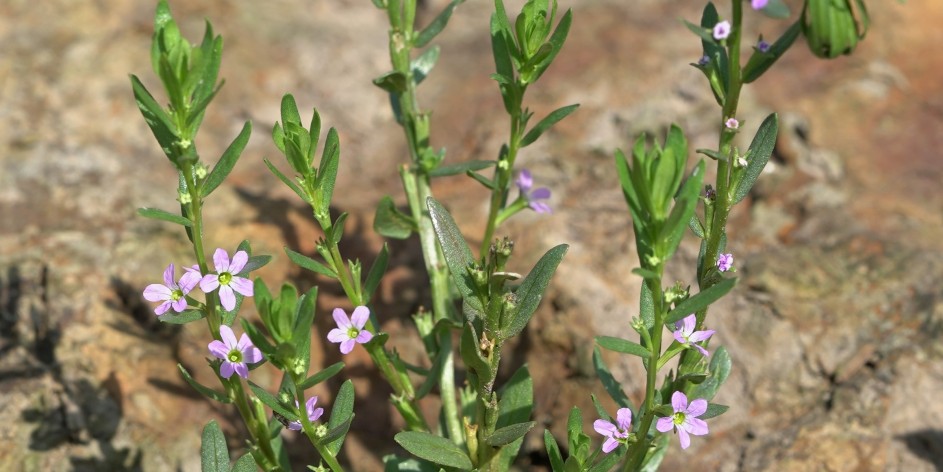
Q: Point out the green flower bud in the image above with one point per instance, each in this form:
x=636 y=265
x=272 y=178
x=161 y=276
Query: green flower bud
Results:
x=834 y=27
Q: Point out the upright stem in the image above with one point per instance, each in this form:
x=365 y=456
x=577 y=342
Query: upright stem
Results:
x=502 y=178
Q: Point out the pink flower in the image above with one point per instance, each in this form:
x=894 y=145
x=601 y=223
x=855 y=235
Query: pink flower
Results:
x=685 y=334
x=172 y=294
x=349 y=331
x=684 y=420
x=758 y=4
x=724 y=262
x=234 y=355
x=313 y=413
x=615 y=434
x=225 y=278
x=721 y=30
x=732 y=123
x=524 y=182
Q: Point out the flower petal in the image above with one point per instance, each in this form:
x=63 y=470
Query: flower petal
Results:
x=294 y=426
x=684 y=438
x=624 y=419
x=209 y=282
x=162 y=308
x=605 y=428
x=228 y=337
x=347 y=346
x=252 y=355
x=221 y=260
x=226 y=370
x=696 y=408
x=340 y=317
x=157 y=293
x=524 y=181
x=218 y=349
x=701 y=350
x=696 y=426
x=190 y=278
x=363 y=336
x=360 y=316
x=699 y=336
x=169 y=276
x=541 y=193
x=664 y=424
x=609 y=445
x=180 y=305
x=540 y=207
x=679 y=401
x=239 y=260
x=679 y=336
x=316 y=414
x=244 y=343
x=241 y=369
x=227 y=298
x=689 y=323
x=337 y=335
x=242 y=285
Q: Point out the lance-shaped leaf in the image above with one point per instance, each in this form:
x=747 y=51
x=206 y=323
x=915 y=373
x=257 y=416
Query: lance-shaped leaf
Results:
x=760 y=151
x=435 y=449
x=457 y=254
x=509 y=434
x=719 y=369
x=624 y=346
x=701 y=300
x=471 y=352
x=555 y=42
x=327 y=171
x=227 y=161
x=321 y=376
x=760 y=61
x=515 y=406
x=376 y=273
x=301 y=331
x=155 y=116
x=531 y=290
x=393 y=82
x=422 y=65
x=184 y=317
x=553 y=452
x=157 y=214
x=681 y=213
x=214 y=456
x=245 y=464
x=392 y=223
x=460 y=168
x=341 y=415
x=608 y=381
x=288 y=182
x=714 y=410
x=434 y=28
x=310 y=264
x=543 y=125
x=776 y=9
x=206 y=391
x=270 y=401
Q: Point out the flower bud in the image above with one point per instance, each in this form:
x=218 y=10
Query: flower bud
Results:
x=834 y=27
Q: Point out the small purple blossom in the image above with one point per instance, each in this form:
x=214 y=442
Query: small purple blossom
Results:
x=724 y=262
x=313 y=413
x=732 y=123
x=684 y=333
x=758 y=4
x=615 y=433
x=524 y=182
x=225 y=278
x=684 y=421
x=172 y=294
x=704 y=60
x=349 y=331
x=762 y=46
x=234 y=355
x=721 y=30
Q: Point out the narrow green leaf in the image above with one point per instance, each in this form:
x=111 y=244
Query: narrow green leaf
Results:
x=214 y=456
x=776 y=9
x=509 y=434
x=184 y=317
x=647 y=307
x=760 y=151
x=270 y=401
x=609 y=461
x=471 y=353
x=376 y=273
x=392 y=223
x=289 y=110
x=704 y=34
x=760 y=62
x=701 y=300
x=654 y=457
x=285 y=180
x=553 y=452
x=501 y=45
x=623 y=346
x=543 y=125
x=245 y=464
x=460 y=168
x=486 y=182
x=321 y=376
x=157 y=119
x=422 y=65
x=310 y=264
x=327 y=170
x=255 y=263
x=719 y=369
x=301 y=332
x=683 y=211
x=457 y=254
x=696 y=227
x=227 y=161
x=434 y=449
x=206 y=391
x=337 y=229
x=434 y=28
x=516 y=398
x=645 y=273
x=611 y=385
x=714 y=410
x=393 y=82
x=712 y=154
x=157 y=214
x=341 y=414
x=532 y=289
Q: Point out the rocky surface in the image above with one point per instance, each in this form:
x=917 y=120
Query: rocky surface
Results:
x=833 y=330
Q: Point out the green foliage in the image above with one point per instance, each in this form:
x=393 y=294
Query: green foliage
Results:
x=760 y=151
x=624 y=346
x=341 y=416
x=612 y=386
x=457 y=254
x=719 y=369
x=435 y=449
x=761 y=61
x=701 y=300
x=214 y=455
x=531 y=291
x=206 y=391
x=834 y=27
x=392 y=223
x=228 y=160
x=437 y=25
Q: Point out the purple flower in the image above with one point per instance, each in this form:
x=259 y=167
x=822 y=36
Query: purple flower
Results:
x=762 y=46
x=172 y=294
x=721 y=30
x=349 y=331
x=524 y=182
x=685 y=334
x=684 y=420
x=704 y=60
x=724 y=262
x=732 y=123
x=758 y=4
x=234 y=355
x=313 y=413
x=615 y=434
x=225 y=278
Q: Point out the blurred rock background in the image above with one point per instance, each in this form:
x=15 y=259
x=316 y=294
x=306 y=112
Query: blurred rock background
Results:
x=833 y=330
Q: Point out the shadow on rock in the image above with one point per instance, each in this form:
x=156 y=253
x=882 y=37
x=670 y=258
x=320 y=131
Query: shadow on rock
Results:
x=926 y=444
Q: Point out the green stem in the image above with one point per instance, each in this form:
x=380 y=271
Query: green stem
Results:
x=502 y=178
